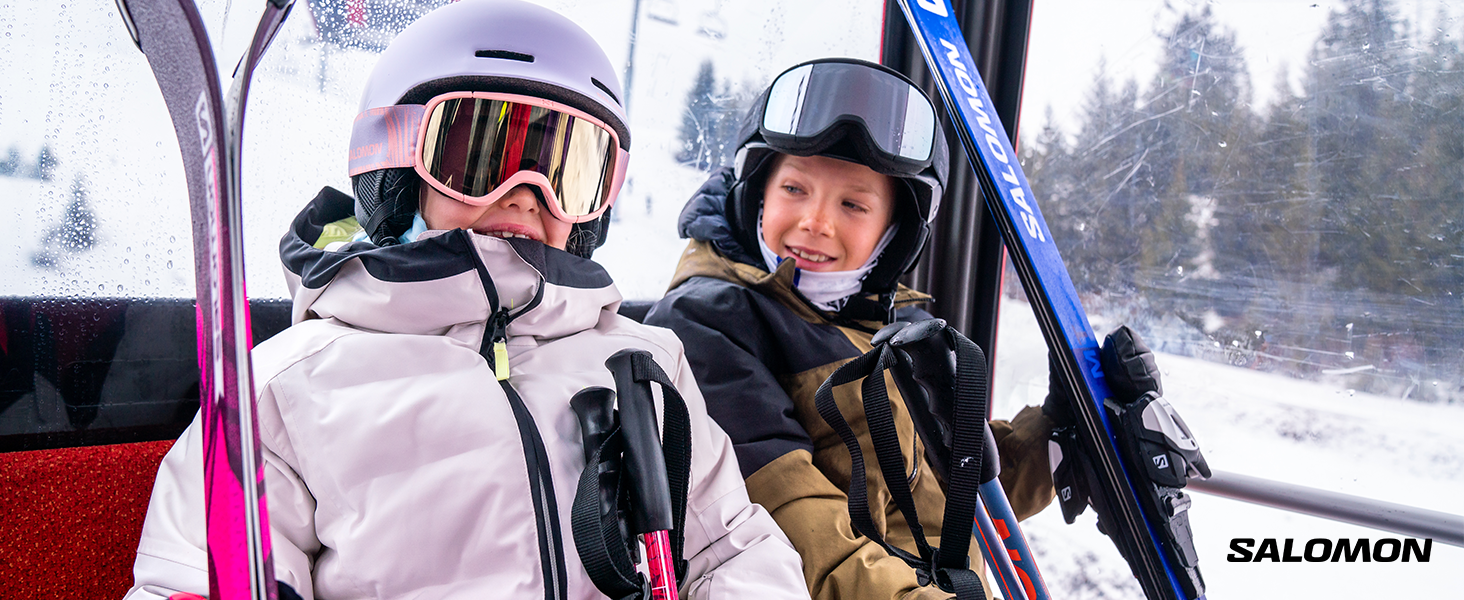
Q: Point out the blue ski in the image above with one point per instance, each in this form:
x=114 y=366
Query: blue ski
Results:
x=1154 y=557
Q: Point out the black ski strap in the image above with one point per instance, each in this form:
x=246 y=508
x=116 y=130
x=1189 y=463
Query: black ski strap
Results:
x=602 y=547
x=948 y=566
x=859 y=517
x=598 y=538
x=967 y=449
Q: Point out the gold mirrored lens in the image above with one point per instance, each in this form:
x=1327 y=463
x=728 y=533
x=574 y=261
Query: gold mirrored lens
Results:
x=472 y=145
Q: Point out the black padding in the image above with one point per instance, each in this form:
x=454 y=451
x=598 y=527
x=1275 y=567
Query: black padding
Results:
x=636 y=309
x=119 y=369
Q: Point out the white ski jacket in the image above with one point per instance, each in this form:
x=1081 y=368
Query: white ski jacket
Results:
x=394 y=465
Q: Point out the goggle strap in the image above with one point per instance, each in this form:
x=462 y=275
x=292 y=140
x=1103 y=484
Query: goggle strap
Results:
x=385 y=138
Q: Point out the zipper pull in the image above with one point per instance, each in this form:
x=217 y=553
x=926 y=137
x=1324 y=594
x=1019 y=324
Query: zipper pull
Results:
x=498 y=334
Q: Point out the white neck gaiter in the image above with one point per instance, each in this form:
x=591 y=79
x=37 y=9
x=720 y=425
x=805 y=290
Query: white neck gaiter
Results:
x=828 y=290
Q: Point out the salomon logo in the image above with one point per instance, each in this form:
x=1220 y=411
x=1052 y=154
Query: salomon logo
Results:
x=1067 y=493
x=1161 y=461
x=210 y=153
x=994 y=141
x=1324 y=550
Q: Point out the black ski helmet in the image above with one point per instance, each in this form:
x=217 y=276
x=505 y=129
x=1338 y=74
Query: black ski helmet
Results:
x=857 y=111
x=507 y=46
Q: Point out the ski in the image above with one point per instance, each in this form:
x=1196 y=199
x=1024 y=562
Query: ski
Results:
x=172 y=35
x=1158 y=561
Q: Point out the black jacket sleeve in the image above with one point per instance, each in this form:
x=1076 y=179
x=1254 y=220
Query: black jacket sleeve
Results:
x=729 y=345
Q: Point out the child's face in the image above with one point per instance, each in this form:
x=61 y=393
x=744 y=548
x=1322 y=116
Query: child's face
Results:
x=825 y=213
x=517 y=213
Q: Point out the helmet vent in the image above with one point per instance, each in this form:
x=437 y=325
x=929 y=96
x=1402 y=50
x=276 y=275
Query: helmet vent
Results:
x=505 y=54
x=605 y=89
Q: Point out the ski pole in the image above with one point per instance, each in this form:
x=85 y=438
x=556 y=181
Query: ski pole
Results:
x=595 y=409
x=645 y=466
x=935 y=435
x=1377 y=514
x=928 y=378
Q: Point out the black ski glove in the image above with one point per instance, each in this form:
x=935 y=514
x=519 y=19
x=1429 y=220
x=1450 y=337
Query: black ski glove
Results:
x=1129 y=370
x=1155 y=442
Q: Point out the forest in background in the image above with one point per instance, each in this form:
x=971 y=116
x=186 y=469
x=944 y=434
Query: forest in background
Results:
x=1320 y=236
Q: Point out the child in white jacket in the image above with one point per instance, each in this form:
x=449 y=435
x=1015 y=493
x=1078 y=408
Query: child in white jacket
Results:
x=399 y=463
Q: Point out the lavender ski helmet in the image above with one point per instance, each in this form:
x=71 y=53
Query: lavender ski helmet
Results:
x=506 y=46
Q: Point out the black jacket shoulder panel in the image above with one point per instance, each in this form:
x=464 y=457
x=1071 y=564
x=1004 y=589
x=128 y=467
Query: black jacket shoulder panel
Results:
x=738 y=343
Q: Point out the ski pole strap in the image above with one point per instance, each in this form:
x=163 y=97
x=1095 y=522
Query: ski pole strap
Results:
x=603 y=545
x=948 y=566
x=603 y=548
x=967 y=449
x=858 y=487
x=675 y=445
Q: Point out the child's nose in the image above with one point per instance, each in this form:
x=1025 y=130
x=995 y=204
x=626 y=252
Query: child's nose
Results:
x=520 y=198
x=815 y=219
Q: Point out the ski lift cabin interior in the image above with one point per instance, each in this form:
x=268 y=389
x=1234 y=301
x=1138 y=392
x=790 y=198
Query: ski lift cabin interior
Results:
x=1268 y=192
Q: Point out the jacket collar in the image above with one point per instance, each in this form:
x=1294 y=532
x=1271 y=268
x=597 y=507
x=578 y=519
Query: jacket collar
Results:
x=703 y=259
x=449 y=283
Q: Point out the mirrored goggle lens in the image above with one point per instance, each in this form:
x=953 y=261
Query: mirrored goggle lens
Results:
x=473 y=144
x=898 y=118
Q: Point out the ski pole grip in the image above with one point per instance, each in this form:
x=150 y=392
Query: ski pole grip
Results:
x=645 y=463
x=594 y=407
x=932 y=365
x=922 y=414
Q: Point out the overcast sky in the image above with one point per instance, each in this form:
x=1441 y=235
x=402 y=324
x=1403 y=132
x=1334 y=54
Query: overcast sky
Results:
x=1069 y=37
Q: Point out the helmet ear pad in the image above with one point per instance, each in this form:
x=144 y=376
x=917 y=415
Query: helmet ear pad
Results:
x=386 y=201
x=585 y=238
x=900 y=256
x=744 y=201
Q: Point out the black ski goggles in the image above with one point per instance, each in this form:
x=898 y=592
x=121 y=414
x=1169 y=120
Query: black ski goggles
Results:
x=812 y=106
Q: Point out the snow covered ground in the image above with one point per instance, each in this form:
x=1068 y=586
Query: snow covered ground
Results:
x=1269 y=426
x=73 y=80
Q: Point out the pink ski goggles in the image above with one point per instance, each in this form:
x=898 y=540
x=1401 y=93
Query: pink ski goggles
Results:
x=475 y=147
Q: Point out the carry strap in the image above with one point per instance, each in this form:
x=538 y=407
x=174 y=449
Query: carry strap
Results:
x=598 y=538
x=949 y=566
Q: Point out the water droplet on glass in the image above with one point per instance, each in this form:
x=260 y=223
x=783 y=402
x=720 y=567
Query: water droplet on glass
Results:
x=170 y=264
x=1223 y=144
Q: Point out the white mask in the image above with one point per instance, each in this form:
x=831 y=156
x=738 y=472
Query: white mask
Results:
x=828 y=290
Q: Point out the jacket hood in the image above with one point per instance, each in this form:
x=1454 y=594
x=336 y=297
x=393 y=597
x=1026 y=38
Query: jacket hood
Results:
x=445 y=283
x=705 y=219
